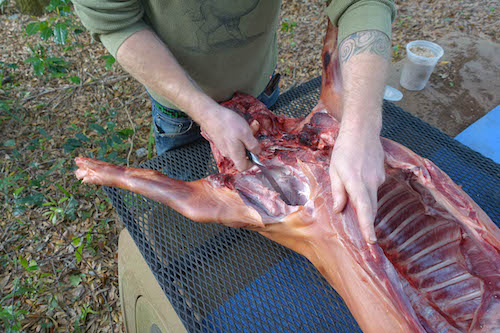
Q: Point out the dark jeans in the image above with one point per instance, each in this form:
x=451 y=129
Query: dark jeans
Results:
x=173 y=132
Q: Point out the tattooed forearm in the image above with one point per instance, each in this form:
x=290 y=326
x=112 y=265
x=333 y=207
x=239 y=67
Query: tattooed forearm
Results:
x=370 y=41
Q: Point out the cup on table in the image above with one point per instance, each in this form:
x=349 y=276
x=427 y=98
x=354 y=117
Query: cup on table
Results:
x=421 y=58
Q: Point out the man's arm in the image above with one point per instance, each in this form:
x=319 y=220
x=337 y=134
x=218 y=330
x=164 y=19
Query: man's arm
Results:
x=357 y=166
x=148 y=59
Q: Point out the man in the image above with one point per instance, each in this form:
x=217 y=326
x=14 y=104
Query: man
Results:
x=191 y=54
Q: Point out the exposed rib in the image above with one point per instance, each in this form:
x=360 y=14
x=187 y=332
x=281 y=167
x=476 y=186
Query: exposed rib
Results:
x=393 y=212
x=418 y=234
x=429 y=249
x=464 y=298
x=390 y=195
x=466 y=317
x=445 y=327
x=434 y=268
x=403 y=224
x=448 y=283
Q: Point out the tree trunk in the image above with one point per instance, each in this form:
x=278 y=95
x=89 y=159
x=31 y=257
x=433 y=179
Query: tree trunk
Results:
x=32 y=7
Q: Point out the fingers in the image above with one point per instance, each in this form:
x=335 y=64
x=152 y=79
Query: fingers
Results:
x=338 y=192
x=238 y=155
x=365 y=203
x=251 y=143
x=243 y=139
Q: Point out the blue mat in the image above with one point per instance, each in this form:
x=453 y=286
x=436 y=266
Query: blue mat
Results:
x=306 y=305
x=484 y=135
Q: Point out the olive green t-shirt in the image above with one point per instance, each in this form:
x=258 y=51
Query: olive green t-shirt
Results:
x=224 y=45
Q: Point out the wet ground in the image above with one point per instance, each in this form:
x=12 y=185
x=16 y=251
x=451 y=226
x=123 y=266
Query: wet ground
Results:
x=464 y=86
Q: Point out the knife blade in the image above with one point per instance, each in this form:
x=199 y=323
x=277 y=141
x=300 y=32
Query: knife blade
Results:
x=255 y=159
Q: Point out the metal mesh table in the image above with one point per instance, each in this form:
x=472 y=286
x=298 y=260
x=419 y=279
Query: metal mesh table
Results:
x=220 y=279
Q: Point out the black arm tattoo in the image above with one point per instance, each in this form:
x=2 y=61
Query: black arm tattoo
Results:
x=369 y=41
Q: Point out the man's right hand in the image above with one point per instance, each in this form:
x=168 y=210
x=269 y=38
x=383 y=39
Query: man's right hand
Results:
x=231 y=135
x=149 y=61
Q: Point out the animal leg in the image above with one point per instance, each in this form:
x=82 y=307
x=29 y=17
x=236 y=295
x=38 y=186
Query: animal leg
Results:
x=199 y=200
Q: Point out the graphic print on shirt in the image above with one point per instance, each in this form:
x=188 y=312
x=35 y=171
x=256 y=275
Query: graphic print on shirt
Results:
x=212 y=15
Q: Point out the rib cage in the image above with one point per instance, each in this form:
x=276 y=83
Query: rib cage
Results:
x=426 y=250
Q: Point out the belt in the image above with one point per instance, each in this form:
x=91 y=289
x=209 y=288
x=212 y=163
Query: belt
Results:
x=170 y=112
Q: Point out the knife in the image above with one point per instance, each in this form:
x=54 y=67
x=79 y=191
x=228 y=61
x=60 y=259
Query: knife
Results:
x=255 y=159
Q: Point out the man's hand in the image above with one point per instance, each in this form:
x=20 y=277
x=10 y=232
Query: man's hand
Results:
x=356 y=172
x=149 y=61
x=357 y=165
x=230 y=134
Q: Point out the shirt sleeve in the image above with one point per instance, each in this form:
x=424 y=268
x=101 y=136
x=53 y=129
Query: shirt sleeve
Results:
x=111 y=21
x=351 y=16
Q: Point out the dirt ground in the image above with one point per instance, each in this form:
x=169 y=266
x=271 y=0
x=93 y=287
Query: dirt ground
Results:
x=58 y=239
x=462 y=89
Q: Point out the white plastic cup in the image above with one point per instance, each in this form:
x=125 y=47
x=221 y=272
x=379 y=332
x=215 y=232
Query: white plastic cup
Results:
x=418 y=68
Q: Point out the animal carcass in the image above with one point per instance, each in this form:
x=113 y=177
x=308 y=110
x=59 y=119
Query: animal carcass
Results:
x=436 y=266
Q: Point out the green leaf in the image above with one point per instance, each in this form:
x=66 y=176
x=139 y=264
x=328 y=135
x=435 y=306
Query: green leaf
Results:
x=52 y=20
x=17 y=191
x=62 y=189
x=76 y=241
x=102 y=144
x=23 y=262
x=35 y=199
x=109 y=61
x=110 y=125
x=75 y=79
x=44 y=133
x=74 y=127
x=75 y=280
x=98 y=128
x=10 y=143
x=58 y=74
x=33 y=266
x=46 y=33
x=82 y=137
x=39 y=67
x=89 y=236
x=112 y=156
x=57 y=61
x=116 y=138
x=16 y=154
x=19 y=210
x=101 y=153
x=74 y=142
x=60 y=33
x=32 y=28
x=125 y=133
x=78 y=253
x=71 y=144
x=32 y=59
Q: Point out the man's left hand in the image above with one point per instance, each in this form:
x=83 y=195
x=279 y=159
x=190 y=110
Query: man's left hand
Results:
x=356 y=172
